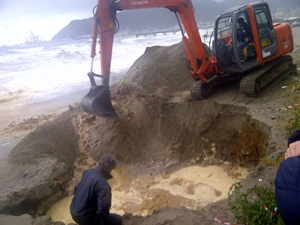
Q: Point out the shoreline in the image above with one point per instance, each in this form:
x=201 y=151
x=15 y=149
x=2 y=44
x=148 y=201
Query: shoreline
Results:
x=39 y=106
x=50 y=102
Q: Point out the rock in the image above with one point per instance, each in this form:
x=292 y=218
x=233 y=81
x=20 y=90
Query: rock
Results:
x=46 y=220
x=43 y=220
x=168 y=215
x=57 y=223
x=71 y=107
x=47 y=203
x=24 y=219
x=39 y=166
x=41 y=180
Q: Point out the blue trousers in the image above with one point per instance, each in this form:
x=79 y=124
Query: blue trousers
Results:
x=240 y=46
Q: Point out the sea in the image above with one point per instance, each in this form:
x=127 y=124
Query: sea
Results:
x=46 y=71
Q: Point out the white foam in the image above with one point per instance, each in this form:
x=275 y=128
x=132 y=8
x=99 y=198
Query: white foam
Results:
x=52 y=66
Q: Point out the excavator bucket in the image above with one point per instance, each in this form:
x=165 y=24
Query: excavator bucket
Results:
x=97 y=102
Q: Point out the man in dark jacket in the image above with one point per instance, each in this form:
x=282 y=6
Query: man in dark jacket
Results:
x=287 y=182
x=92 y=196
x=244 y=37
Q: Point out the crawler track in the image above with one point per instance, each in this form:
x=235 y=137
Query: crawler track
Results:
x=266 y=76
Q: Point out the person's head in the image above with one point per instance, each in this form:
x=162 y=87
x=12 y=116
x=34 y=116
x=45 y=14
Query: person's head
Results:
x=241 y=22
x=107 y=163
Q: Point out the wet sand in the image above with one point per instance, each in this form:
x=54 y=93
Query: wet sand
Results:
x=19 y=110
x=13 y=114
x=194 y=187
x=16 y=112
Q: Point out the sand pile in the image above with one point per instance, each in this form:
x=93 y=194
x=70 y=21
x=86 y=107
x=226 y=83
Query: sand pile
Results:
x=54 y=139
x=160 y=68
x=162 y=126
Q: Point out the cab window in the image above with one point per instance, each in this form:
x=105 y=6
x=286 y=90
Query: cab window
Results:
x=263 y=28
x=224 y=29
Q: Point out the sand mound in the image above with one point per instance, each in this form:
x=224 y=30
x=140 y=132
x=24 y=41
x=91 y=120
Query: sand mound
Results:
x=160 y=71
x=162 y=126
x=160 y=67
x=57 y=139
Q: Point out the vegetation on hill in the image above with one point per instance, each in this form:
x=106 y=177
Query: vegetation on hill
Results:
x=154 y=19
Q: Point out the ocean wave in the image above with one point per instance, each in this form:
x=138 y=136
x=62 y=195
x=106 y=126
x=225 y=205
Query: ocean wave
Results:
x=7 y=52
x=70 y=55
x=49 y=67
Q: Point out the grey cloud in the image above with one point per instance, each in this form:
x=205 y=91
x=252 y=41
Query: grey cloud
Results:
x=46 y=6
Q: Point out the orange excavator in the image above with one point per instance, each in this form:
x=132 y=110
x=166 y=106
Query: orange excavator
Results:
x=264 y=58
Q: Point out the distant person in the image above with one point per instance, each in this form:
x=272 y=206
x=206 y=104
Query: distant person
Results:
x=92 y=196
x=243 y=38
x=287 y=182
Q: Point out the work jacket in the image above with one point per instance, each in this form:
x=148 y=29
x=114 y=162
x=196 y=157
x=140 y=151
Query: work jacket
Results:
x=92 y=197
x=287 y=183
x=244 y=32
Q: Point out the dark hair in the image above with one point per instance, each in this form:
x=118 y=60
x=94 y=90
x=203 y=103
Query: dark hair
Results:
x=108 y=162
x=240 y=20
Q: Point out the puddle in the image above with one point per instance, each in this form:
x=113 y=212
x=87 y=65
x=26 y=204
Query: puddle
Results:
x=193 y=187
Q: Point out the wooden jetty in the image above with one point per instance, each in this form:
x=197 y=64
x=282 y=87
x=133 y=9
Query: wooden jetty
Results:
x=154 y=33
x=164 y=32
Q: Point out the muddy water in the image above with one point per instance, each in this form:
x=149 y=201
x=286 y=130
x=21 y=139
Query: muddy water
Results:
x=192 y=187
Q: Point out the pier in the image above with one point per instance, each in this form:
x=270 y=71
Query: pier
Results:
x=154 y=33
x=164 y=32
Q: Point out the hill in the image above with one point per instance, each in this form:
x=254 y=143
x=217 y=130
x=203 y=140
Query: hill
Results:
x=159 y=18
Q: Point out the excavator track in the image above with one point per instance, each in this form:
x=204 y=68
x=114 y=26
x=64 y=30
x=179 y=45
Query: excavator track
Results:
x=268 y=75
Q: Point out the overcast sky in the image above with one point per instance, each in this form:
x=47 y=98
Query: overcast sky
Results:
x=43 y=17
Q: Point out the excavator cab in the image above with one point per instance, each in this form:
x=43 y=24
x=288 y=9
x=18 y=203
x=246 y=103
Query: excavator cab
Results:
x=263 y=58
x=227 y=46
x=263 y=45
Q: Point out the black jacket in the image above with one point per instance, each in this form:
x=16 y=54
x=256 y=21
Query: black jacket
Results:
x=287 y=183
x=92 y=196
x=244 y=32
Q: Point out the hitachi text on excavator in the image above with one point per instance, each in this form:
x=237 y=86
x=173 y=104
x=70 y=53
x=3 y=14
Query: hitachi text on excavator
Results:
x=264 y=60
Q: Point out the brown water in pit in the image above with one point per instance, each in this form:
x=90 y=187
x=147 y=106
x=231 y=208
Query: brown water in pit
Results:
x=192 y=187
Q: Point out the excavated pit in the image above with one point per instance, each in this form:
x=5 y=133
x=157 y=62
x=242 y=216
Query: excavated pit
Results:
x=188 y=153
x=173 y=150
x=163 y=134
x=161 y=124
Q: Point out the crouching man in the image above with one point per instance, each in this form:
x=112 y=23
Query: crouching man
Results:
x=92 y=196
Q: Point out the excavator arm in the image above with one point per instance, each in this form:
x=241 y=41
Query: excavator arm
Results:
x=97 y=101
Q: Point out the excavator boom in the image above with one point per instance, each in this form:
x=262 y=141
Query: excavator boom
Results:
x=97 y=101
